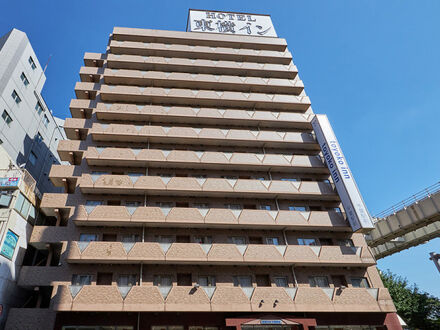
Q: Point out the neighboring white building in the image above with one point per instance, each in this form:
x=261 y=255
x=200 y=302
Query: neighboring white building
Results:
x=28 y=130
x=17 y=215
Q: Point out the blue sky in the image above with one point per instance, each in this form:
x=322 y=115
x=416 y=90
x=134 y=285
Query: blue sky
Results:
x=372 y=66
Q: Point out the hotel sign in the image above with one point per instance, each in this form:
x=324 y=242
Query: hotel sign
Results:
x=351 y=199
x=230 y=23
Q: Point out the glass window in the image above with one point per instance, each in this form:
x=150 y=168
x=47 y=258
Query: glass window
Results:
x=238 y=240
x=81 y=279
x=6 y=117
x=360 y=282
x=319 y=281
x=206 y=280
x=162 y=280
x=15 y=96
x=93 y=203
x=32 y=63
x=88 y=237
x=281 y=281
x=233 y=206
x=243 y=281
x=272 y=240
x=24 y=79
x=22 y=205
x=308 y=241
x=132 y=203
x=165 y=239
x=203 y=239
x=32 y=215
x=33 y=158
x=45 y=120
x=346 y=242
x=130 y=238
x=127 y=280
x=298 y=208
x=265 y=207
x=290 y=179
x=39 y=137
x=38 y=108
x=201 y=206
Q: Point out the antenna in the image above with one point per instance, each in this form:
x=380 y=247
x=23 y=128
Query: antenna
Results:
x=44 y=70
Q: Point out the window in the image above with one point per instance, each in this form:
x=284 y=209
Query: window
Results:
x=201 y=206
x=33 y=158
x=243 y=281
x=38 y=108
x=22 y=205
x=289 y=179
x=203 y=239
x=233 y=206
x=93 y=203
x=308 y=241
x=360 y=282
x=298 y=208
x=337 y=210
x=88 y=237
x=45 y=120
x=39 y=137
x=6 y=117
x=281 y=281
x=15 y=96
x=132 y=203
x=81 y=279
x=32 y=63
x=238 y=240
x=24 y=79
x=319 y=281
x=162 y=280
x=127 y=280
x=272 y=240
x=165 y=239
x=346 y=242
x=206 y=280
x=130 y=238
x=265 y=207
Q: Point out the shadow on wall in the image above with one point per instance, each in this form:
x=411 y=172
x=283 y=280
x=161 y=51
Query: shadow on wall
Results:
x=40 y=167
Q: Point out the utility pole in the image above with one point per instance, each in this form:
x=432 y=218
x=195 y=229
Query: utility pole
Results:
x=435 y=257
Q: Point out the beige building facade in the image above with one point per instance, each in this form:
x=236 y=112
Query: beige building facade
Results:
x=196 y=198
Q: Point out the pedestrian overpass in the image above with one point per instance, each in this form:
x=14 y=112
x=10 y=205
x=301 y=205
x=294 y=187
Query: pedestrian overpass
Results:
x=407 y=224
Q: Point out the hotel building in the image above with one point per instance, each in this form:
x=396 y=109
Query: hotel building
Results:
x=196 y=197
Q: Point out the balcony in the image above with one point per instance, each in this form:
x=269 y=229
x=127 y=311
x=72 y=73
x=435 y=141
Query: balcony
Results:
x=220 y=299
x=202 y=136
x=126 y=157
x=198 y=39
x=218 y=254
x=173 y=114
x=71 y=151
x=174 y=64
x=206 y=187
x=192 y=97
x=118 y=47
x=192 y=81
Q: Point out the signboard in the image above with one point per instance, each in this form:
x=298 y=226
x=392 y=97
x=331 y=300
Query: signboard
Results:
x=230 y=23
x=9 y=244
x=271 y=322
x=9 y=182
x=351 y=199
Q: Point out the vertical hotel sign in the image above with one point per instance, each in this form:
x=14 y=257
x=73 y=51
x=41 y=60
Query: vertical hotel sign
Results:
x=230 y=23
x=351 y=198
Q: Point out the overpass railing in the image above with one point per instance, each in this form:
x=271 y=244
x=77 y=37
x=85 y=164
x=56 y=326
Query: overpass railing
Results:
x=425 y=193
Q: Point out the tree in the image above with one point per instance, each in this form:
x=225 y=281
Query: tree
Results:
x=419 y=309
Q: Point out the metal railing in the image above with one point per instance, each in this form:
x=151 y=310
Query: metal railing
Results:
x=425 y=193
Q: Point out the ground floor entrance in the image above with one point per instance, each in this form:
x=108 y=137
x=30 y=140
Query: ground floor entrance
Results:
x=224 y=321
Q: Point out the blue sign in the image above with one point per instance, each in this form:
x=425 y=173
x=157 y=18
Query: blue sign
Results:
x=9 y=244
x=271 y=322
x=9 y=182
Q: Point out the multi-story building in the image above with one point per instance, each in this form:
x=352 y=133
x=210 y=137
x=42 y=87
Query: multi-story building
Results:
x=196 y=197
x=28 y=130
x=18 y=212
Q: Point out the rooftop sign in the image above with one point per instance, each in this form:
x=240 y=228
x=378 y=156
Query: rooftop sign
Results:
x=230 y=23
x=351 y=199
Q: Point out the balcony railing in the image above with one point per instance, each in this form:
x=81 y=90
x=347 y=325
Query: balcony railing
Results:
x=218 y=254
x=221 y=299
